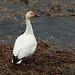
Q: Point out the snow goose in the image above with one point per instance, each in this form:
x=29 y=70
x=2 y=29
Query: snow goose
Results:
x=25 y=45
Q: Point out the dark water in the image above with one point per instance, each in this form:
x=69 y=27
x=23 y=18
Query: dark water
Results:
x=60 y=30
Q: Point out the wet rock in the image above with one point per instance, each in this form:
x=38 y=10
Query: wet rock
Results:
x=25 y=1
x=70 y=10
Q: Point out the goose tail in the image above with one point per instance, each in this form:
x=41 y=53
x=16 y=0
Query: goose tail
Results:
x=15 y=60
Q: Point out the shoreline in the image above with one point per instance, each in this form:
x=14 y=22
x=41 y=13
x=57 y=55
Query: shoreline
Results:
x=48 y=59
x=61 y=13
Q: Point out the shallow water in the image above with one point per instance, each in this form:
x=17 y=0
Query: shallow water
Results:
x=60 y=30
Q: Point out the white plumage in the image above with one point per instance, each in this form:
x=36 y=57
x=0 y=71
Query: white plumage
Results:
x=25 y=44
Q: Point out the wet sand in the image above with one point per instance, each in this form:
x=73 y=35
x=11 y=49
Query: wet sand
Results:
x=47 y=60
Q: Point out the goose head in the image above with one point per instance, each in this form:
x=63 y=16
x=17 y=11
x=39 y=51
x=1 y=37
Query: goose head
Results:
x=31 y=14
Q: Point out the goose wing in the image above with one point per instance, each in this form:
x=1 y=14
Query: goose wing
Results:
x=25 y=46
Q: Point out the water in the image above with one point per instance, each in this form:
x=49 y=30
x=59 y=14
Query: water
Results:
x=60 y=30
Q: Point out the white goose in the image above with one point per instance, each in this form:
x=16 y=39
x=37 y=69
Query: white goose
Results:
x=25 y=44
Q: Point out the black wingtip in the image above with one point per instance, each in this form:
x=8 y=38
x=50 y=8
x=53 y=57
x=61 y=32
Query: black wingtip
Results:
x=15 y=59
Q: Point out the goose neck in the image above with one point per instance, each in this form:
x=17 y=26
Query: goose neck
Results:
x=29 y=29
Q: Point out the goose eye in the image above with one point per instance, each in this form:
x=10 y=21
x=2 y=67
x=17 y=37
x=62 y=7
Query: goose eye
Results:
x=31 y=13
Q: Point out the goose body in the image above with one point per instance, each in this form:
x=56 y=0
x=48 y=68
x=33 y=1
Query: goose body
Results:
x=25 y=45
